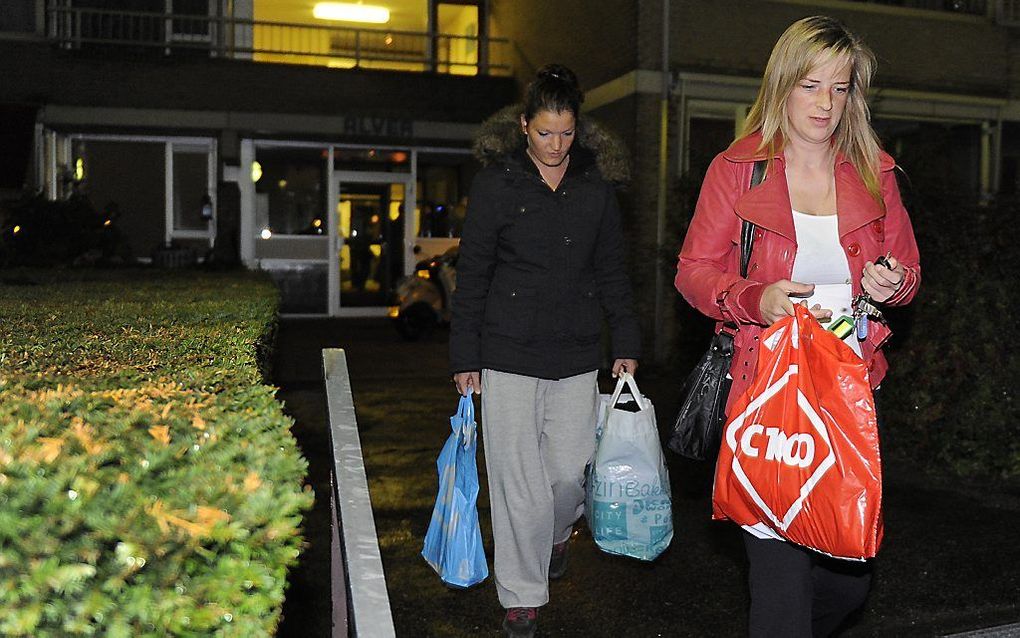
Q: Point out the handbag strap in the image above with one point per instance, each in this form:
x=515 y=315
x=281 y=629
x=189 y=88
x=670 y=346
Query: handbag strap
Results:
x=747 y=228
x=747 y=234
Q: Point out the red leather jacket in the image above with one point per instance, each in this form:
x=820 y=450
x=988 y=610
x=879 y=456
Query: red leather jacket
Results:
x=708 y=272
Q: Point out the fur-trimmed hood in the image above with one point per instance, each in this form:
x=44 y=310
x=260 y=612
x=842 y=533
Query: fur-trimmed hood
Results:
x=500 y=135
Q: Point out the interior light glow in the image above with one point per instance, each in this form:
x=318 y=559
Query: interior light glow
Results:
x=107 y=222
x=79 y=169
x=256 y=171
x=351 y=12
x=17 y=229
x=266 y=233
x=317 y=223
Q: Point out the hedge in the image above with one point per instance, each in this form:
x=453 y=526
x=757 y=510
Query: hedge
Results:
x=149 y=483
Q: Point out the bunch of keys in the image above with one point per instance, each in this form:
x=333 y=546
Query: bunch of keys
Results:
x=864 y=307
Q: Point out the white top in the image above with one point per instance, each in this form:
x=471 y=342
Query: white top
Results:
x=820 y=261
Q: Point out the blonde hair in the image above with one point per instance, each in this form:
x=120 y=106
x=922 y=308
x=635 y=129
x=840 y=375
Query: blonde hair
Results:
x=806 y=44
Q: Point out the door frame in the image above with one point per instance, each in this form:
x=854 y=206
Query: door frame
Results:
x=337 y=179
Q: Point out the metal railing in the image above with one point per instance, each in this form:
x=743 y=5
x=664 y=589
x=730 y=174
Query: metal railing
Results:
x=1007 y=12
x=967 y=7
x=169 y=34
x=362 y=608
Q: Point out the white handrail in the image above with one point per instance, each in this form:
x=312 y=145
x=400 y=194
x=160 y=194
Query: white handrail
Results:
x=369 y=614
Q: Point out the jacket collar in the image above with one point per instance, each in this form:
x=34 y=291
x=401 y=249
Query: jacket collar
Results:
x=768 y=205
x=582 y=162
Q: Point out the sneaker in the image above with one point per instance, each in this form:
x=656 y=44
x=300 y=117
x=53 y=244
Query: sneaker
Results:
x=520 y=622
x=558 y=560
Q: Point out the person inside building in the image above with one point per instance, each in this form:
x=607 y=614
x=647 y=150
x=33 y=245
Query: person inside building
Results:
x=828 y=208
x=541 y=262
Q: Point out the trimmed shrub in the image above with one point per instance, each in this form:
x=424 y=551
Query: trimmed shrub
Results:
x=35 y=231
x=149 y=484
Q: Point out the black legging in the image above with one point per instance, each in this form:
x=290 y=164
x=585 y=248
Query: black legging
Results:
x=798 y=593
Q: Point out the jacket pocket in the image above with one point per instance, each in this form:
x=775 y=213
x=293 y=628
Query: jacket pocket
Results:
x=510 y=312
x=588 y=316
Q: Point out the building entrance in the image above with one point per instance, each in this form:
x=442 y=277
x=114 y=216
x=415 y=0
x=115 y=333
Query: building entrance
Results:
x=370 y=234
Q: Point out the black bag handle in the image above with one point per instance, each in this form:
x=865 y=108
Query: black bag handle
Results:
x=747 y=228
x=747 y=236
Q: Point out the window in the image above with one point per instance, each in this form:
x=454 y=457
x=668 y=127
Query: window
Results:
x=192 y=202
x=126 y=180
x=290 y=190
x=443 y=184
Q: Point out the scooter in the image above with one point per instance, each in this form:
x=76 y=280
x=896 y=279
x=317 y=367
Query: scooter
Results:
x=423 y=298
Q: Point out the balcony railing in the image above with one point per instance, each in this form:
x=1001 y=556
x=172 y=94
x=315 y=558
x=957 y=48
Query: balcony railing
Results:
x=967 y=7
x=169 y=34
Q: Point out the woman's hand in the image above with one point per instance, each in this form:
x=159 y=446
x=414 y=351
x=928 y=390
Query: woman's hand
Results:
x=624 y=365
x=776 y=303
x=881 y=282
x=468 y=382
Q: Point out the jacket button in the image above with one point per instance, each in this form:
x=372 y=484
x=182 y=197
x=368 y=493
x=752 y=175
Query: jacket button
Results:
x=759 y=235
x=853 y=249
x=877 y=226
x=563 y=193
x=523 y=209
x=513 y=293
x=754 y=267
x=568 y=241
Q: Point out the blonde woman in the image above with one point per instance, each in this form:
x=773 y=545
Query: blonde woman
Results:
x=827 y=209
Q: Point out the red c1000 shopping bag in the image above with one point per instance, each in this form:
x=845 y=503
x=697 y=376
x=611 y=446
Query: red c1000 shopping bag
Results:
x=800 y=448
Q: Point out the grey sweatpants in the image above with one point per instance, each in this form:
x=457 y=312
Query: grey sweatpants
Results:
x=538 y=435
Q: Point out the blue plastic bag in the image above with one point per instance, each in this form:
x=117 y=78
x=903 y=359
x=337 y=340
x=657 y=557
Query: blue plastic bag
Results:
x=629 y=506
x=453 y=543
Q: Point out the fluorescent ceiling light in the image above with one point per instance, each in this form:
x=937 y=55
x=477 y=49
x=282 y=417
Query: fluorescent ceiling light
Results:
x=350 y=12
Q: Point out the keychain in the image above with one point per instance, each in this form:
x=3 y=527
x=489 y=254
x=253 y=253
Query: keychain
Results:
x=864 y=307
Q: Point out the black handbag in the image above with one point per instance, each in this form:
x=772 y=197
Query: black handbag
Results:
x=697 y=431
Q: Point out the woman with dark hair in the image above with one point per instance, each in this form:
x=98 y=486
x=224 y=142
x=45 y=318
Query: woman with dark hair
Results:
x=829 y=226
x=541 y=260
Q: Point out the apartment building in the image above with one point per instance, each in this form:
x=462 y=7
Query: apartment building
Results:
x=328 y=141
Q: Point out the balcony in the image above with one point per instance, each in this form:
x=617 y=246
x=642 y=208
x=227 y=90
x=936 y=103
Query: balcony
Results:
x=189 y=35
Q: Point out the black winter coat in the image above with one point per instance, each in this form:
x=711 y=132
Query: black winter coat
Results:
x=537 y=270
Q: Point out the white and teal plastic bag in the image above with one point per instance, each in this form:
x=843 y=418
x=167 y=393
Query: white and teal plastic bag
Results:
x=629 y=507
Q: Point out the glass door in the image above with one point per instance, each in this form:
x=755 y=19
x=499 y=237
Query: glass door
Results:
x=369 y=228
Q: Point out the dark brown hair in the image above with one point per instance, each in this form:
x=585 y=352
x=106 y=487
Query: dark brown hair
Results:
x=555 y=89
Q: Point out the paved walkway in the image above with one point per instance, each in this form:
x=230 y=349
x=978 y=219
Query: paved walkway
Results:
x=949 y=563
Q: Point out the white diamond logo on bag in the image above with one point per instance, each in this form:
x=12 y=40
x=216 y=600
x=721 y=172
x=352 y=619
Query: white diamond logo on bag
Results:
x=796 y=449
